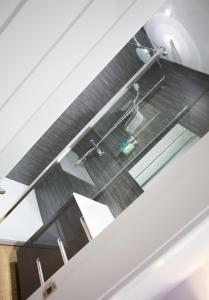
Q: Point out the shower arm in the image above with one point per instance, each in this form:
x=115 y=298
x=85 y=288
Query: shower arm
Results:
x=142 y=46
x=155 y=49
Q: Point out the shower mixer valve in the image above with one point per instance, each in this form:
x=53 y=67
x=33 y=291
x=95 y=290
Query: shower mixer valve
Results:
x=98 y=150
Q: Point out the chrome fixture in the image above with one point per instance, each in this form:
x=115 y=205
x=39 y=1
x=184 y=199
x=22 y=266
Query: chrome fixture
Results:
x=85 y=228
x=83 y=158
x=99 y=151
x=40 y=271
x=2 y=191
x=62 y=251
x=145 y=53
x=95 y=147
x=136 y=118
x=137 y=89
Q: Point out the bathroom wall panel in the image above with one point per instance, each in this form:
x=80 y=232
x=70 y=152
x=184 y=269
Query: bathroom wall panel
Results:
x=193 y=84
x=120 y=193
x=197 y=119
x=56 y=189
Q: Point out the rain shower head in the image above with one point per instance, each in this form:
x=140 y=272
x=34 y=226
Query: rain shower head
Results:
x=143 y=54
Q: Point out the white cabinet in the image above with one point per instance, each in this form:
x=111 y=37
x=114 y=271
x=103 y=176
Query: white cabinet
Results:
x=96 y=216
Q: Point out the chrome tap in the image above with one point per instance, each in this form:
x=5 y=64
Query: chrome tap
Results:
x=99 y=151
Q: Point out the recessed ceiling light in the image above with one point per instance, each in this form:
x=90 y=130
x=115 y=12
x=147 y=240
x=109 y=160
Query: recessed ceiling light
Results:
x=159 y=263
x=167 y=12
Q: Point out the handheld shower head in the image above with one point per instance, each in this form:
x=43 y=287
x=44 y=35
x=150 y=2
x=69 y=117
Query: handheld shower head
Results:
x=136 y=87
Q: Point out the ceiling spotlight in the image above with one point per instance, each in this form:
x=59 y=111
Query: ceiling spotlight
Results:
x=168 y=12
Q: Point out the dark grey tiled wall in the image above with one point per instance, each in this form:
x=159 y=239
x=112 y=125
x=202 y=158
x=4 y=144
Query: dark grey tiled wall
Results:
x=194 y=85
x=57 y=187
x=79 y=113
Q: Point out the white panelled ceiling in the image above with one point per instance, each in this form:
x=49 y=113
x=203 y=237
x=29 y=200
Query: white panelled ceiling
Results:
x=49 y=52
x=30 y=38
x=8 y=9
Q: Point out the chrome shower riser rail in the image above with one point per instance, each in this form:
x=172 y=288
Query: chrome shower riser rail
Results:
x=132 y=109
x=123 y=117
x=118 y=95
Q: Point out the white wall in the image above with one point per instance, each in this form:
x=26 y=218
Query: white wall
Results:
x=198 y=283
x=196 y=287
x=25 y=220
x=172 y=269
x=187 y=27
x=175 y=204
x=49 y=53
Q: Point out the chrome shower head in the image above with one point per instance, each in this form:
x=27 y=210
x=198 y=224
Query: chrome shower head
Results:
x=143 y=54
x=136 y=87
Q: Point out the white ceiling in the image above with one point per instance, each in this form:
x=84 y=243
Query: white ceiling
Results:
x=8 y=9
x=187 y=27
